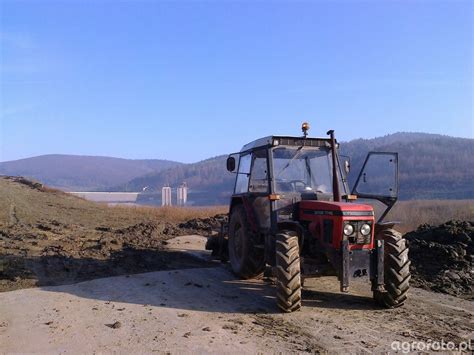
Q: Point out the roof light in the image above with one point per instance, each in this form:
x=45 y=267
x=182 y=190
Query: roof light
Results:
x=305 y=128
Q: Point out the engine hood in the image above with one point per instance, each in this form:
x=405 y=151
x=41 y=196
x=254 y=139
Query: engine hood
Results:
x=336 y=208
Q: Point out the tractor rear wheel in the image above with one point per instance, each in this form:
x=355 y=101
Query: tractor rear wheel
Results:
x=288 y=274
x=246 y=260
x=396 y=269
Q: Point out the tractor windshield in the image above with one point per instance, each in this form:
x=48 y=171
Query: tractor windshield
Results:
x=304 y=169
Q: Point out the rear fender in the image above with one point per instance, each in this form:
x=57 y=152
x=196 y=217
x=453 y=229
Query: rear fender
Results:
x=380 y=227
x=244 y=201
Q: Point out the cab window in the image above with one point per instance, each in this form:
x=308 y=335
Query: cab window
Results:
x=258 y=175
x=242 y=183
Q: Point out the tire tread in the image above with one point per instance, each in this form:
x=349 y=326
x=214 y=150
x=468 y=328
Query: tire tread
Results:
x=397 y=270
x=288 y=272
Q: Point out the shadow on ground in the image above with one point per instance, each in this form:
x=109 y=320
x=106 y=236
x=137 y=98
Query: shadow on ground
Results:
x=57 y=269
x=337 y=300
x=183 y=282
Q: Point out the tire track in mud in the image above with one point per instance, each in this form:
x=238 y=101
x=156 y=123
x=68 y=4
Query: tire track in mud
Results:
x=294 y=337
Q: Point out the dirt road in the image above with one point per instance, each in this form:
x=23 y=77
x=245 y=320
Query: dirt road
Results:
x=208 y=310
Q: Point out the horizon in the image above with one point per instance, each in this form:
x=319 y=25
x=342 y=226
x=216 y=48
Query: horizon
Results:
x=214 y=156
x=140 y=79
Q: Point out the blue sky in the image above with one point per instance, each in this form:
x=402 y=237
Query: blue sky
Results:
x=187 y=80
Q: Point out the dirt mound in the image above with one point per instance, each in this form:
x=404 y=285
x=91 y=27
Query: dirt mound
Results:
x=147 y=233
x=50 y=238
x=50 y=254
x=21 y=180
x=442 y=257
x=200 y=225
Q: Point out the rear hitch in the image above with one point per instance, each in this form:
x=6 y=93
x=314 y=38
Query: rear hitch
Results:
x=223 y=248
x=218 y=244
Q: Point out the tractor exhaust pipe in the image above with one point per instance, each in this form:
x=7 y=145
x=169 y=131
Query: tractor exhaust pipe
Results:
x=335 y=180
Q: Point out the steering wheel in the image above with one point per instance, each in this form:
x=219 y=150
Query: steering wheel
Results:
x=322 y=189
x=295 y=183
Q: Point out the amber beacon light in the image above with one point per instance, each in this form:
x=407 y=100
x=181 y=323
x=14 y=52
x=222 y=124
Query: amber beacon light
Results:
x=305 y=128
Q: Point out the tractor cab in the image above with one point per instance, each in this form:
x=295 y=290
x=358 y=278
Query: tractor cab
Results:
x=274 y=173
x=293 y=211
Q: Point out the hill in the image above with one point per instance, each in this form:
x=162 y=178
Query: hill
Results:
x=431 y=167
x=82 y=173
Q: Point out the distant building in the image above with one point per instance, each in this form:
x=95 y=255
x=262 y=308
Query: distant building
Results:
x=166 y=196
x=182 y=195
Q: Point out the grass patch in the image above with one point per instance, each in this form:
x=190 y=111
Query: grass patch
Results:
x=434 y=212
x=170 y=214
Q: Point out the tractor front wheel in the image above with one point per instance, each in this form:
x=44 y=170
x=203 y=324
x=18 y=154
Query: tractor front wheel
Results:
x=246 y=259
x=288 y=274
x=396 y=270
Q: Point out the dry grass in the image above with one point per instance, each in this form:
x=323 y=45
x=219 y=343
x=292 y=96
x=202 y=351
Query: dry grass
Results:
x=413 y=213
x=171 y=214
x=32 y=205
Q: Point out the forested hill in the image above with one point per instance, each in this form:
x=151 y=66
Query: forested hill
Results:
x=431 y=166
x=209 y=182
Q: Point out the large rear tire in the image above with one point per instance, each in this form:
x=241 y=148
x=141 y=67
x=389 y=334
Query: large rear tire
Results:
x=396 y=270
x=288 y=273
x=246 y=260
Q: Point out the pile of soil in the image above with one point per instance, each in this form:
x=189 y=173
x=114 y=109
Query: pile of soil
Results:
x=51 y=253
x=442 y=258
x=206 y=225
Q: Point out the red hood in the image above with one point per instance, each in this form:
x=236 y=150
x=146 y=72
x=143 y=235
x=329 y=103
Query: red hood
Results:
x=334 y=206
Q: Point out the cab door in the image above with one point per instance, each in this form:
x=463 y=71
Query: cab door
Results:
x=259 y=188
x=378 y=179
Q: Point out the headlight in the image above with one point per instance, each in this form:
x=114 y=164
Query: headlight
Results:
x=348 y=229
x=365 y=229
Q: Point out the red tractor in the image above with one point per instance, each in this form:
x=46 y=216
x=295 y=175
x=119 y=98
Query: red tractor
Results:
x=292 y=210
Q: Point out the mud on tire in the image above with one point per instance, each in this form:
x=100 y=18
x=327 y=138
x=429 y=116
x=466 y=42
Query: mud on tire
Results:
x=288 y=275
x=397 y=270
x=246 y=260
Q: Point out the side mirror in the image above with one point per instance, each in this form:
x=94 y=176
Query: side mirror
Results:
x=231 y=164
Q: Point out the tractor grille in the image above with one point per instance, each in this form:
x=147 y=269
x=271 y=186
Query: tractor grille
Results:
x=327 y=230
x=357 y=237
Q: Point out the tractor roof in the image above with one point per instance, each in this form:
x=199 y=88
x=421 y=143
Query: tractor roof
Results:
x=286 y=140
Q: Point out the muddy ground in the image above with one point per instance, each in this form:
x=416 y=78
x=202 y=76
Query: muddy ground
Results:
x=58 y=254
x=207 y=310
x=50 y=238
